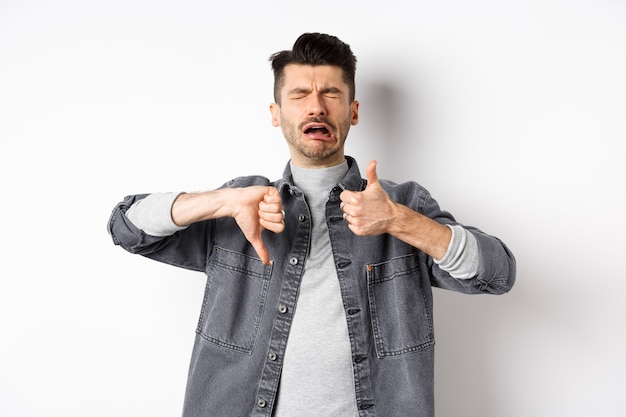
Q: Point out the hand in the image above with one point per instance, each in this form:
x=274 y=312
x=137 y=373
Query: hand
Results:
x=257 y=208
x=368 y=212
x=372 y=212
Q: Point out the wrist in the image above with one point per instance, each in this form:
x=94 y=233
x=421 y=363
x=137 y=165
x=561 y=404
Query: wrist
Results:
x=419 y=231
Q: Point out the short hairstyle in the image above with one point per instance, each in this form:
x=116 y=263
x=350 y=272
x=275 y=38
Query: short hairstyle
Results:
x=315 y=49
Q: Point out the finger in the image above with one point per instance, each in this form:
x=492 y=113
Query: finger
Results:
x=276 y=227
x=372 y=176
x=271 y=212
x=272 y=216
x=274 y=207
x=272 y=196
x=347 y=197
x=345 y=210
x=274 y=221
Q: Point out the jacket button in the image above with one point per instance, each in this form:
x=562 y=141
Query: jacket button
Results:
x=293 y=261
x=282 y=309
x=272 y=356
x=301 y=217
x=261 y=403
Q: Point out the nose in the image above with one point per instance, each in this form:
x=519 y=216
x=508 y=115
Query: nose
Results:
x=316 y=105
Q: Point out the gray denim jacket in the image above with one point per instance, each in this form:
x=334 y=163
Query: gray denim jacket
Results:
x=248 y=307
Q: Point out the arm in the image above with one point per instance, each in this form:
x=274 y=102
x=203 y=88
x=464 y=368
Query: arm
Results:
x=253 y=208
x=373 y=212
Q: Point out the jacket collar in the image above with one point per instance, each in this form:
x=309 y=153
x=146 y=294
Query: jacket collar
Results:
x=352 y=181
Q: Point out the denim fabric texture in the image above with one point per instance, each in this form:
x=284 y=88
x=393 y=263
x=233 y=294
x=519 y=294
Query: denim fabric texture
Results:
x=386 y=287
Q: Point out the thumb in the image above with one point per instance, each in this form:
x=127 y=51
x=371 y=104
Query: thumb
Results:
x=372 y=176
x=261 y=250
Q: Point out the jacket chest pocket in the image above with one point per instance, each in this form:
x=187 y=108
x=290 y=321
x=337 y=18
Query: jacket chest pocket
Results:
x=234 y=300
x=401 y=310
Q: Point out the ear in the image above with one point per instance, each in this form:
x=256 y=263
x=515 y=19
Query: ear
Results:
x=275 y=111
x=355 y=113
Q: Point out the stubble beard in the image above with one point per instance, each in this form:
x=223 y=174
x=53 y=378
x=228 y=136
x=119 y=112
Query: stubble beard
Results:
x=317 y=152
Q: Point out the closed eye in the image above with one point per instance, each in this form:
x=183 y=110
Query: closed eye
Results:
x=299 y=93
x=332 y=92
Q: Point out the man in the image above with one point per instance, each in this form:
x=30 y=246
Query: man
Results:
x=318 y=299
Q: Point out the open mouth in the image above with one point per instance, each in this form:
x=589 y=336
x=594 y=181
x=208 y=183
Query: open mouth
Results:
x=317 y=130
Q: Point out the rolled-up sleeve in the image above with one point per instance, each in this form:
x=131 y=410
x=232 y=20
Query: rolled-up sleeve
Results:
x=186 y=247
x=153 y=214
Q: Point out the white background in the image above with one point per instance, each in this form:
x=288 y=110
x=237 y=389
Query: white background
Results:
x=511 y=113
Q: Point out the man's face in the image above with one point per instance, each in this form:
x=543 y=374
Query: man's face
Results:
x=315 y=114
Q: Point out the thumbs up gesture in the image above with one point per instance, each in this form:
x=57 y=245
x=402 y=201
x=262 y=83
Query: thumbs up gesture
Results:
x=369 y=212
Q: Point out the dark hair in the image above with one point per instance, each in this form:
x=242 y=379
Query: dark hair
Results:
x=315 y=49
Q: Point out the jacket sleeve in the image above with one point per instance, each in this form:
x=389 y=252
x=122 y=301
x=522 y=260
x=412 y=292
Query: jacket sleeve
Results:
x=188 y=248
x=496 y=269
x=496 y=263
